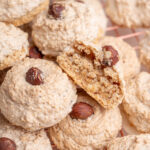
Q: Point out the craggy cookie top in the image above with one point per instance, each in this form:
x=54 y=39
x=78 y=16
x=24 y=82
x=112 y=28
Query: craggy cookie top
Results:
x=130 y=13
x=131 y=67
x=134 y=142
x=13 y=9
x=66 y=21
x=13 y=45
x=136 y=102
x=87 y=126
x=37 y=94
x=18 y=139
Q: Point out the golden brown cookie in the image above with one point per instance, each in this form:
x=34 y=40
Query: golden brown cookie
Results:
x=37 y=94
x=19 y=12
x=129 y=13
x=136 y=102
x=13 y=45
x=134 y=142
x=96 y=70
x=128 y=57
x=87 y=126
x=64 y=22
x=16 y=138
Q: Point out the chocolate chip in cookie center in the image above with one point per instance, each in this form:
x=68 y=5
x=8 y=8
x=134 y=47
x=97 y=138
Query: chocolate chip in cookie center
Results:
x=56 y=10
x=7 y=144
x=111 y=56
x=34 y=76
x=81 y=111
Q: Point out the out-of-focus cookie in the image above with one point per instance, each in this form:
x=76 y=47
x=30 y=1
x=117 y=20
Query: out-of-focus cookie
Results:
x=136 y=102
x=127 y=127
x=96 y=70
x=15 y=138
x=129 y=13
x=19 y=12
x=66 y=21
x=132 y=142
x=37 y=94
x=13 y=45
x=128 y=57
x=145 y=51
x=87 y=126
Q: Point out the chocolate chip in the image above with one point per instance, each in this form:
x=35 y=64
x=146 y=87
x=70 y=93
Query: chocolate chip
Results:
x=56 y=10
x=82 y=111
x=111 y=56
x=34 y=76
x=7 y=144
x=80 y=1
x=35 y=53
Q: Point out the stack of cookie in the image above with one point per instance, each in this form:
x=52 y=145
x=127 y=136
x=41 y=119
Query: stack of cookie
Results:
x=62 y=80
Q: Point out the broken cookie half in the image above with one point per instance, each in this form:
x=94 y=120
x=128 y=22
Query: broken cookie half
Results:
x=96 y=70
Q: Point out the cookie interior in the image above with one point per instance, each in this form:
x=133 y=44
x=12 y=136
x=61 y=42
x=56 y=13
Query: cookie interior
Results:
x=83 y=64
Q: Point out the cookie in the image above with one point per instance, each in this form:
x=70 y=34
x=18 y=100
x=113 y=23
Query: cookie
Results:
x=66 y=21
x=133 y=142
x=87 y=126
x=131 y=67
x=96 y=70
x=20 y=12
x=129 y=13
x=13 y=45
x=128 y=128
x=18 y=139
x=136 y=102
x=37 y=94
x=145 y=50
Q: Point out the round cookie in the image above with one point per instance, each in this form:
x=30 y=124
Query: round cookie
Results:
x=145 y=51
x=13 y=45
x=128 y=57
x=136 y=102
x=132 y=142
x=87 y=126
x=37 y=94
x=22 y=139
x=129 y=13
x=19 y=12
x=66 y=21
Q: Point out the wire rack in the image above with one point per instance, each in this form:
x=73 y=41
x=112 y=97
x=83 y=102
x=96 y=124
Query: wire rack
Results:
x=131 y=36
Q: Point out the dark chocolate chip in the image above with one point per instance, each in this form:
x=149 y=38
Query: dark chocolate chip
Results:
x=56 y=10
x=7 y=144
x=34 y=76
x=112 y=59
x=82 y=111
